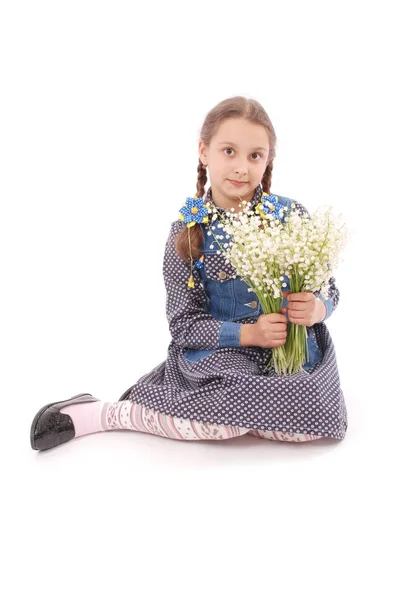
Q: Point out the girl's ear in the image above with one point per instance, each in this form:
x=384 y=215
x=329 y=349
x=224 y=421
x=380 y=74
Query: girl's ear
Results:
x=202 y=152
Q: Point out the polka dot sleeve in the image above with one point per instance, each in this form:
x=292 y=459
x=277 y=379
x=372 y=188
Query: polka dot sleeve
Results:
x=191 y=326
x=333 y=292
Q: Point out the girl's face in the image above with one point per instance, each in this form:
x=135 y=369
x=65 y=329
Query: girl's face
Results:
x=238 y=151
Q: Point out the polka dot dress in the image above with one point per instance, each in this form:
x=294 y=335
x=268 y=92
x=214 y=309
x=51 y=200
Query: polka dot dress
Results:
x=231 y=385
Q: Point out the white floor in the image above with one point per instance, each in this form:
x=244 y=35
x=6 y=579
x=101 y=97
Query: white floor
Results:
x=125 y=514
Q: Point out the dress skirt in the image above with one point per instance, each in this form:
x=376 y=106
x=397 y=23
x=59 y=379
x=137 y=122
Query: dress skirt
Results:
x=233 y=387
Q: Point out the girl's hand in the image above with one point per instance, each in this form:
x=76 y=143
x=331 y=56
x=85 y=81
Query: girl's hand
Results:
x=304 y=308
x=270 y=331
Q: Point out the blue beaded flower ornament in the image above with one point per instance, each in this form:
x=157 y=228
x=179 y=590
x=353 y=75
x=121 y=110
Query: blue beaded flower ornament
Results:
x=194 y=211
x=270 y=205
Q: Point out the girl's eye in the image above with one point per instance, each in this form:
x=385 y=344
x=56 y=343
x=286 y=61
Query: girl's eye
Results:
x=232 y=149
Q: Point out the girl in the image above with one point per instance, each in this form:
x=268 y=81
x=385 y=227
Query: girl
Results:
x=214 y=384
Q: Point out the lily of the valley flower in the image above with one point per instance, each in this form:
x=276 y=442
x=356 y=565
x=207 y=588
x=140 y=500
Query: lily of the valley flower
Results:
x=297 y=253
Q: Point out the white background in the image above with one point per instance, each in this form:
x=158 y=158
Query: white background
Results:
x=101 y=108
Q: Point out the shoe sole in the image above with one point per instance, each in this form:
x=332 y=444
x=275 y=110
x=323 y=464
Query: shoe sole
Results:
x=40 y=413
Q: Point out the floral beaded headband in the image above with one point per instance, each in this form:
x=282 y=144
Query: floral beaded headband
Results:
x=194 y=211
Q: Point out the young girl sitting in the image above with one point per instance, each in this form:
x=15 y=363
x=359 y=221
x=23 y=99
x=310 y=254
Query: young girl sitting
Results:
x=214 y=384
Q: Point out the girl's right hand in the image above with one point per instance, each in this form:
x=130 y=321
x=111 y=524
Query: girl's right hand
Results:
x=270 y=331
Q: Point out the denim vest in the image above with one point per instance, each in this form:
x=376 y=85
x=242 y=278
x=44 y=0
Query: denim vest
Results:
x=227 y=295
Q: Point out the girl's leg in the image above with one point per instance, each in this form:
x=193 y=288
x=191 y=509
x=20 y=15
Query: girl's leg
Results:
x=93 y=417
x=281 y=436
x=130 y=415
x=104 y=416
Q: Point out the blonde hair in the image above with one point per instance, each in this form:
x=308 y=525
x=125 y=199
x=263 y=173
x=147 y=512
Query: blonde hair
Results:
x=235 y=107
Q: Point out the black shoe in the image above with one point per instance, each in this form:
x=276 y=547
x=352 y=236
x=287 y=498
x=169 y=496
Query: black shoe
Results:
x=50 y=427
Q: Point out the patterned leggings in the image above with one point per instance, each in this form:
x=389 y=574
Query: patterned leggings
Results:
x=130 y=415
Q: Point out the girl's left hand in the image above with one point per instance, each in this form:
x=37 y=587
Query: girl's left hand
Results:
x=304 y=308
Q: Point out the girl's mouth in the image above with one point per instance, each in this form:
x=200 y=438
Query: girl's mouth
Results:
x=237 y=183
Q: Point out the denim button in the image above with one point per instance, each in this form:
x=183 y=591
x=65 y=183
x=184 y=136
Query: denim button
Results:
x=222 y=275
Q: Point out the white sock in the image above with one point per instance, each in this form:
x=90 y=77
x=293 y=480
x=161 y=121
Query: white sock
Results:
x=86 y=416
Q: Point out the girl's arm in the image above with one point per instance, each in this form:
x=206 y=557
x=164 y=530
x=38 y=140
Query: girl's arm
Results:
x=191 y=326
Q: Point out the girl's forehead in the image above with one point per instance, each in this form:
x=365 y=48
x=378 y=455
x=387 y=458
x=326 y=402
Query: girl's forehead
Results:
x=241 y=133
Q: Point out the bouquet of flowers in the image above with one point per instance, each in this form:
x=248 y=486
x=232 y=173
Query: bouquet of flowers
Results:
x=272 y=248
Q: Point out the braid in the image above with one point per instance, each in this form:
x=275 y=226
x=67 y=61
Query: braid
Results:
x=182 y=242
x=202 y=179
x=267 y=178
x=266 y=183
